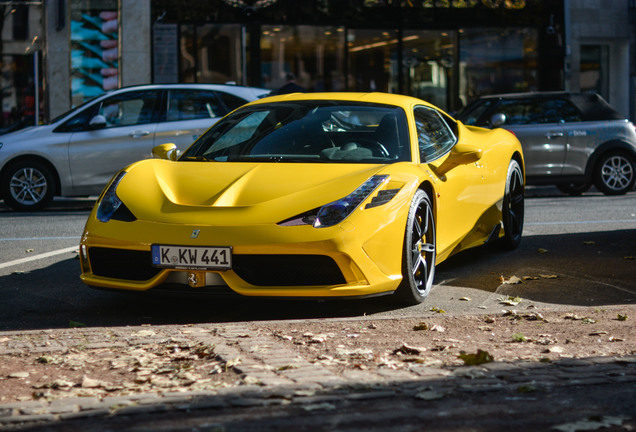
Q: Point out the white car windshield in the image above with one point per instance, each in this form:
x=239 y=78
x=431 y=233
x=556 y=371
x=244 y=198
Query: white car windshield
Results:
x=307 y=131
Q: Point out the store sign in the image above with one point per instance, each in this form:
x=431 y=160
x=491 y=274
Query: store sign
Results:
x=165 y=54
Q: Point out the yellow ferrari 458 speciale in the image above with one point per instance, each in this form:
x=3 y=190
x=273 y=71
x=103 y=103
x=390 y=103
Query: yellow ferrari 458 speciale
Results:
x=309 y=195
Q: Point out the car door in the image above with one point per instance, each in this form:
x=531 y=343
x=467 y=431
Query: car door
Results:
x=96 y=153
x=462 y=190
x=538 y=125
x=189 y=113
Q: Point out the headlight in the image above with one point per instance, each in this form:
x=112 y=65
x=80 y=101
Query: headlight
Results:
x=110 y=202
x=335 y=212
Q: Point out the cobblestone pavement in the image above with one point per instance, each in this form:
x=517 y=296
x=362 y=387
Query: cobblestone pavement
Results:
x=270 y=386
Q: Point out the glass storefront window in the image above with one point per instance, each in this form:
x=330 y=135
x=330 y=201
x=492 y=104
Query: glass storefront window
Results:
x=428 y=58
x=314 y=54
x=594 y=66
x=211 y=53
x=373 y=60
x=497 y=61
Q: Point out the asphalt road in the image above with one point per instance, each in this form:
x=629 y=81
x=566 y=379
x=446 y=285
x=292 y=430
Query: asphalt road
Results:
x=576 y=251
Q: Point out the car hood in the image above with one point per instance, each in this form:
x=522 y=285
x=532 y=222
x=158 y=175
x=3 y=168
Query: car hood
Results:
x=235 y=193
x=26 y=134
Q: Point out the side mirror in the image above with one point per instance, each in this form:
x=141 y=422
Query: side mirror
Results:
x=461 y=154
x=497 y=120
x=165 y=151
x=97 y=122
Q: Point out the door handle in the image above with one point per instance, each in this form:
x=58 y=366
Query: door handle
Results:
x=138 y=133
x=551 y=135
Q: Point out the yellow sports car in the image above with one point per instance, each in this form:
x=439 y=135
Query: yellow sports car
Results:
x=309 y=195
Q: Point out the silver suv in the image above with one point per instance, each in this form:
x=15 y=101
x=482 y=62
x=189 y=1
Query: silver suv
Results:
x=571 y=140
x=79 y=151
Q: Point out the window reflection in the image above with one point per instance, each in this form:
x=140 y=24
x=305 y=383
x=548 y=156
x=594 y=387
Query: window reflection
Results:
x=314 y=54
x=497 y=61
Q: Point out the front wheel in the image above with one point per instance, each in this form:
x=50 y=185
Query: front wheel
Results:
x=418 y=255
x=513 y=206
x=615 y=174
x=27 y=186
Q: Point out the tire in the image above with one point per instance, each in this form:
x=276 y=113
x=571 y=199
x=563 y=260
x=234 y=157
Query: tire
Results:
x=615 y=173
x=28 y=186
x=418 y=254
x=574 y=189
x=513 y=207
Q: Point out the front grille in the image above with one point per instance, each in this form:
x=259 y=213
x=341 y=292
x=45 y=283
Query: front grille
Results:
x=121 y=263
x=288 y=270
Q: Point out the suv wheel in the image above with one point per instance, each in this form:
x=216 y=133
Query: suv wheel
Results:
x=27 y=185
x=615 y=173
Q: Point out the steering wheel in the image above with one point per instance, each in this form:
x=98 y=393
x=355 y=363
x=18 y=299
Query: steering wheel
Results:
x=374 y=145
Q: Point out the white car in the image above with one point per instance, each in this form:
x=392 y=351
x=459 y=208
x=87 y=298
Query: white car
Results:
x=79 y=151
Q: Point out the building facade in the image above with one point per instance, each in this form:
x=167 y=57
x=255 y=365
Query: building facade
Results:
x=445 y=51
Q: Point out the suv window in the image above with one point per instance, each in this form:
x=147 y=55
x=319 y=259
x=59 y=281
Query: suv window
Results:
x=434 y=135
x=538 y=111
x=193 y=104
x=231 y=101
x=124 y=109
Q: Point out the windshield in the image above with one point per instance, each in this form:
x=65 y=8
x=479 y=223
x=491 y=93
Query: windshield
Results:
x=307 y=131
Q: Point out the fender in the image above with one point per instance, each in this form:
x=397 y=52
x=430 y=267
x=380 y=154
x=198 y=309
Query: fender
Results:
x=604 y=148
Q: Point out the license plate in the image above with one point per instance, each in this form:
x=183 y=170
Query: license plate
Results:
x=192 y=257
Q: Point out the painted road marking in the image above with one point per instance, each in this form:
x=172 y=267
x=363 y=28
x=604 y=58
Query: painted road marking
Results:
x=39 y=256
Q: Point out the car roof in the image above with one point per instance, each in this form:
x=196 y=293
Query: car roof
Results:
x=344 y=97
x=592 y=105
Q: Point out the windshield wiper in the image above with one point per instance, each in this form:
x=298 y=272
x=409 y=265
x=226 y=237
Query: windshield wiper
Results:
x=197 y=158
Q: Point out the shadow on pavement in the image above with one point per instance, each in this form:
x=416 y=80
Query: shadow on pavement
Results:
x=589 y=269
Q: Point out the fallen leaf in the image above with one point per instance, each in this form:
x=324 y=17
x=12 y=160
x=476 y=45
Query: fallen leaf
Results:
x=598 y=333
x=320 y=406
x=464 y=298
x=529 y=278
x=28 y=251
x=438 y=328
x=19 y=375
x=510 y=300
x=589 y=243
x=410 y=350
x=592 y=423
x=429 y=395
x=512 y=281
x=548 y=276
x=480 y=357
x=542 y=251
x=420 y=326
x=620 y=317
x=438 y=310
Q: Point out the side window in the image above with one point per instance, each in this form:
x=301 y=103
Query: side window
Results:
x=519 y=112
x=193 y=104
x=538 y=111
x=560 y=110
x=434 y=135
x=129 y=109
x=79 y=122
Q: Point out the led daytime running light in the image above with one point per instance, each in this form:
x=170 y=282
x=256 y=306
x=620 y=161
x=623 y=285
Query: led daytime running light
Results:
x=335 y=212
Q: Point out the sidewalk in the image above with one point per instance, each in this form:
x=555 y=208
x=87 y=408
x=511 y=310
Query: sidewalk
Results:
x=83 y=378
